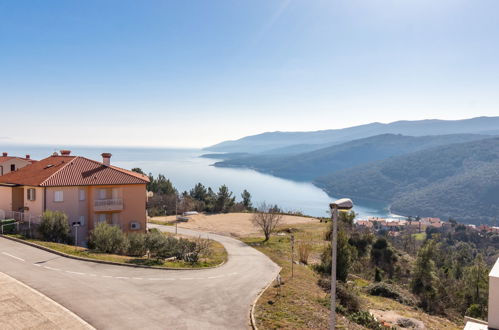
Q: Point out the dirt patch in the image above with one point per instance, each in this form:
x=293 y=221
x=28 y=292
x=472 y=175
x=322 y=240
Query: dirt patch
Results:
x=391 y=318
x=231 y=224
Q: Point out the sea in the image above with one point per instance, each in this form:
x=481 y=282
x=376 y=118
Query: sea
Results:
x=185 y=168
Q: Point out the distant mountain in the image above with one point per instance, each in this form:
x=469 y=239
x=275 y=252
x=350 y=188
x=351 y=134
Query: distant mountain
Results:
x=311 y=165
x=275 y=140
x=459 y=180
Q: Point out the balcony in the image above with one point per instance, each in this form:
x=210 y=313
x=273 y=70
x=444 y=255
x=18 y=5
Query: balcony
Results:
x=101 y=205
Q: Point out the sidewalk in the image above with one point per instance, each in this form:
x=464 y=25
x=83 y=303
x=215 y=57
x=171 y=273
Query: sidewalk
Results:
x=22 y=307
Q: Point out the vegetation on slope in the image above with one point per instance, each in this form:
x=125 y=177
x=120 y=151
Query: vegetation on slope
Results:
x=311 y=165
x=458 y=180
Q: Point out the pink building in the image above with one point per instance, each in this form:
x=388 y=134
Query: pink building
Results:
x=88 y=191
x=11 y=163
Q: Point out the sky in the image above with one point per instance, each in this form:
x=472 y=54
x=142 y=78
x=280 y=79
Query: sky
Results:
x=194 y=73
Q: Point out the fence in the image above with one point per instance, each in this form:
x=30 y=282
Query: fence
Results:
x=18 y=222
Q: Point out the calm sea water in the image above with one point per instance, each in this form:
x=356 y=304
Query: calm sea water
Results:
x=185 y=168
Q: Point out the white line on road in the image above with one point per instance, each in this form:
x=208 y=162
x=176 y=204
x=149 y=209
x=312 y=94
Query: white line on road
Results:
x=10 y=255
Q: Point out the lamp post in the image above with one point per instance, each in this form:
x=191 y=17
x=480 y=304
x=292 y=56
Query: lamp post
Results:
x=343 y=204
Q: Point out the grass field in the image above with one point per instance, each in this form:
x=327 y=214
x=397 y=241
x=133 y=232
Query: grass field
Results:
x=218 y=255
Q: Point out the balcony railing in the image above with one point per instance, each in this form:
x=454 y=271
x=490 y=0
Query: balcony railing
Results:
x=108 y=205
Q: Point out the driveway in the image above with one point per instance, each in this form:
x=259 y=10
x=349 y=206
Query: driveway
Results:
x=119 y=297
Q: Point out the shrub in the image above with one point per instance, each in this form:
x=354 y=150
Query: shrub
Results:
x=107 y=239
x=386 y=290
x=365 y=319
x=304 y=249
x=154 y=243
x=136 y=245
x=475 y=310
x=348 y=299
x=54 y=227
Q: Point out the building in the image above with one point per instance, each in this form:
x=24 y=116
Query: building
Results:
x=88 y=191
x=11 y=163
x=493 y=317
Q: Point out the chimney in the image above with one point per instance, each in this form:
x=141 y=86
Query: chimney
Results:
x=106 y=158
x=65 y=152
x=4 y=154
x=27 y=157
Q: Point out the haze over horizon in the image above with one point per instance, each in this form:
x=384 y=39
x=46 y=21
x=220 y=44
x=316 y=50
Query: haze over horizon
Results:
x=160 y=74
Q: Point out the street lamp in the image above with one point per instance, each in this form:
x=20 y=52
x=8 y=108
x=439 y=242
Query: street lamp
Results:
x=343 y=204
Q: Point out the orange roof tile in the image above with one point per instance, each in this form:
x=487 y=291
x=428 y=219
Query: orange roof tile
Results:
x=71 y=171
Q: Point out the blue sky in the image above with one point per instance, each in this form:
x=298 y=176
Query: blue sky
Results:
x=193 y=73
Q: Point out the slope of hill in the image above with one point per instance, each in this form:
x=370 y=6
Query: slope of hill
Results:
x=458 y=180
x=274 y=140
x=314 y=164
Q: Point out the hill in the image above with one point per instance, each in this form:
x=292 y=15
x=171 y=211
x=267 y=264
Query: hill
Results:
x=459 y=180
x=275 y=140
x=311 y=165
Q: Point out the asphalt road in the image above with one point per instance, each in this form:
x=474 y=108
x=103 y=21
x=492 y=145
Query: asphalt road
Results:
x=118 y=297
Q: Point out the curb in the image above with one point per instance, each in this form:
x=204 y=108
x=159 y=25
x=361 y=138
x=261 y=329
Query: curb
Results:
x=252 y=310
x=62 y=254
x=79 y=319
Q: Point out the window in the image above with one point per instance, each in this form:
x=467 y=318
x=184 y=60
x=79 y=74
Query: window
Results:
x=58 y=196
x=82 y=220
x=82 y=195
x=102 y=193
x=31 y=194
x=12 y=167
x=102 y=217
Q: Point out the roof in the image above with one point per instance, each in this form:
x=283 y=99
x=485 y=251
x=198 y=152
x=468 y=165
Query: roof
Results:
x=57 y=171
x=7 y=158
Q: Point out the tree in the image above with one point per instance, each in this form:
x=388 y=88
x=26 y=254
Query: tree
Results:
x=424 y=280
x=54 y=227
x=138 y=170
x=199 y=192
x=267 y=219
x=383 y=256
x=224 y=200
x=246 y=196
x=476 y=282
x=344 y=257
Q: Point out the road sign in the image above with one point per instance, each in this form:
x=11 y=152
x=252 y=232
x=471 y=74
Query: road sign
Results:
x=76 y=224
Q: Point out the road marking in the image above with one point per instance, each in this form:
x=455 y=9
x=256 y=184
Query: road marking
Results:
x=137 y=278
x=122 y=277
x=10 y=255
x=77 y=273
x=51 y=268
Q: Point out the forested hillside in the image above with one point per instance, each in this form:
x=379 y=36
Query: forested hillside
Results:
x=311 y=165
x=459 y=181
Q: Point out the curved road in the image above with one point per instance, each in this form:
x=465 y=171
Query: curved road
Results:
x=119 y=297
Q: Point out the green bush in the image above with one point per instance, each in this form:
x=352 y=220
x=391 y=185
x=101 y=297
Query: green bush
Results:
x=9 y=226
x=54 y=227
x=386 y=290
x=107 y=239
x=155 y=244
x=475 y=311
x=365 y=319
x=136 y=245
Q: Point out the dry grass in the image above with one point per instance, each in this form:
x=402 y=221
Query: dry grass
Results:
x=300 y=303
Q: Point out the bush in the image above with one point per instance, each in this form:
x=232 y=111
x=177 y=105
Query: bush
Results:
x=365 y=319
x=8 y=226
x=348 y=299
x=386 y=290
x=475 y=311
x=107 y=239
x=304 y=249
x=136 y=245
x=54 y=227
x=154 y=243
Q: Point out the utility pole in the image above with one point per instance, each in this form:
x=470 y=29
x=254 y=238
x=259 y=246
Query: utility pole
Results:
x=332 y=324
x=343 y=204
x=176 y=219
x=292 y=254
